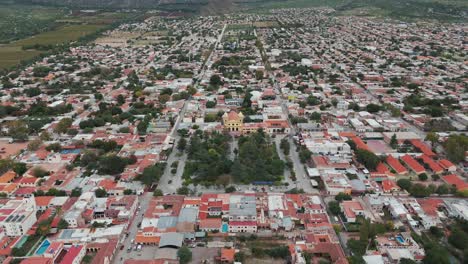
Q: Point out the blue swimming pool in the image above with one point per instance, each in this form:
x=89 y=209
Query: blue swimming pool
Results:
x=224 y=228
x=43 y=247
x=400 y=239
x=70 y=151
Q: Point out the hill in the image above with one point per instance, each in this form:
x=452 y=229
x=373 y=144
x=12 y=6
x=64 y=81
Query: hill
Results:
x=402 y=9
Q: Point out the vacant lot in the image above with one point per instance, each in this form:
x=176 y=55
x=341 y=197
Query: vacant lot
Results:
x=266 y=24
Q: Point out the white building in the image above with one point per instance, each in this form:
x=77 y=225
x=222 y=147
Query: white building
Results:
x=18 y=216
x=327 y=147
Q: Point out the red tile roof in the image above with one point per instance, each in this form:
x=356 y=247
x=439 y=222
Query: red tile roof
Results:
x=396 y=165
x=227 y=254
x=210 y=223
x=446 y=164
x=432 y=164
x=359 y=143
x=72 y=253
x=422 y=147
x=456 y=180
x=413 y=164
x=389 y=185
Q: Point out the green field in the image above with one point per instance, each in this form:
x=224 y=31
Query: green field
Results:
x=11 y=54
x=18 y=21
x=25 y=26
x=61 y=35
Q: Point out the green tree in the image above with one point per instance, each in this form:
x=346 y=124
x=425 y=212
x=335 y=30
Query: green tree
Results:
x=215 y=80
x=128 y=192
x=164 y=98
x=100 y=192
x=458 y=238
x=285 y=146
x=304 y=154
x=76 y=192
x=443 y=189
x=437 y=232
x=404 y=184
x=368 y=158
x=436 y=255
x=152 y=174
x=19 y=168
x=373 y=108
x=182 y=144
x=358 y=247
x=55 y=147
x=259 y=75
x=111 y=164
x=17 y=130
x=230 y=189
x=35 y=144
x=157 y=193
x=120 y=99
x=334 y=207
x=394 y=141
x=456 y=147
x=343 y=197
x=184 y=190
x=43 y=228
x=316 y=116
x=210 y=104
x=63 y=125
x=423 y=177
x=432 y=137
x=62 y=224
x=419 y=190
x=184 y=254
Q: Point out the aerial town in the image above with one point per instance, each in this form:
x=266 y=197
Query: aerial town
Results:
x=292 y=136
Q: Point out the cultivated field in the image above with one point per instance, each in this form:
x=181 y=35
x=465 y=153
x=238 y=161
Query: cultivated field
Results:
x=53 y=27
x=11 y=54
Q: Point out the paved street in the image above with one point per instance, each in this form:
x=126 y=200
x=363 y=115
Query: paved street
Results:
x=121 y=255
x=176 y=179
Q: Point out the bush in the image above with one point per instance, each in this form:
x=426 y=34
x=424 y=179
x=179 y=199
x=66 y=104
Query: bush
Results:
x=157 y=193
x=423 y=177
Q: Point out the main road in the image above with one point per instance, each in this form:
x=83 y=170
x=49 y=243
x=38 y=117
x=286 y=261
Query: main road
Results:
x=169 y=183
x=122 y=254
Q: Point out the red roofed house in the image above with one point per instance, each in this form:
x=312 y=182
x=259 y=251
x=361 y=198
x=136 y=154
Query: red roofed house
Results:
x=434 y=166
x=210 y=224
x=413 y=164
x=447 y=165
x=351 y=210
x=326 y=245
x=227 y=255
x=390 y=186
x=74 y=255
x=422 y=147
x=396 y=165
x=455 y=180
x=381 y=172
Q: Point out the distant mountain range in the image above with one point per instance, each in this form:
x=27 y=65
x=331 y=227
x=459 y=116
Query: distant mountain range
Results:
x=406 y=8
